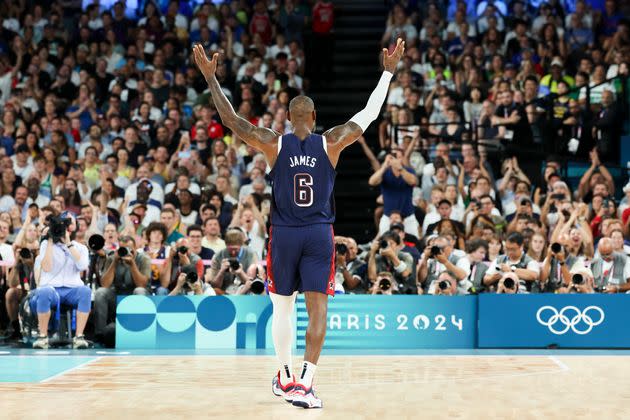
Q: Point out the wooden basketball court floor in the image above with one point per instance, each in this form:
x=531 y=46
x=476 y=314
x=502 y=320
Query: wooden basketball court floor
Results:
x=358 y=385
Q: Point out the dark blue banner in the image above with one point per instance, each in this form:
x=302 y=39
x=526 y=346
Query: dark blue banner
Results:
x=576 y=320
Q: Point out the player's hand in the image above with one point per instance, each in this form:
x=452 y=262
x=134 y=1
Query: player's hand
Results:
x=207 y=67
x=390 y=61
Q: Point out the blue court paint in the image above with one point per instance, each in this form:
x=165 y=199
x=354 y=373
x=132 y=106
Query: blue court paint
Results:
x=37 y=368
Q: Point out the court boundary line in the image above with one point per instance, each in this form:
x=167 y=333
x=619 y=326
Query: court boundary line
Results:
x=559 y=362
x=72 y=369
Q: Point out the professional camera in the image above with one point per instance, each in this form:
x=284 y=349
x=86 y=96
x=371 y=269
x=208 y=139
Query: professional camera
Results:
x=341 y=249
x=123 y=251
x=25 y=253
x=182 y=249
x=234 y=264
x=383 y=244
x=577 y=279
x=435 y=251
x=57 y=228
x=556 y=247
x=444 y=285
x=524 y=202
x=509 y=283
x=257 y=286
x=384 y=284
x=96 y=242
x=192 y=277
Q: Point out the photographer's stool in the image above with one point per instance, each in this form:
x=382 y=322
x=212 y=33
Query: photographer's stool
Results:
x=64 y=328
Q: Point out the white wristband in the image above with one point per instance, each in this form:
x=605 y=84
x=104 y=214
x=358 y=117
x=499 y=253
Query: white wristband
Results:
x=371 y=111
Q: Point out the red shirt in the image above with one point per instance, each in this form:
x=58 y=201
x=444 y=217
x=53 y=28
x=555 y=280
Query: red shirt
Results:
x=323 y=17
x=261 y=25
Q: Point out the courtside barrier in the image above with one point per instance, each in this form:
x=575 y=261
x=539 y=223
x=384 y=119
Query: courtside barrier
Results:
x=380 y=322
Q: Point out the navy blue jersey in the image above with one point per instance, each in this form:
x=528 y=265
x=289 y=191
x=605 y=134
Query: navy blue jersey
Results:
x=303 y=180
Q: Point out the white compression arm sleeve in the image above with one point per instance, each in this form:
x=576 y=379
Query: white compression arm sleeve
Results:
x=368 y=114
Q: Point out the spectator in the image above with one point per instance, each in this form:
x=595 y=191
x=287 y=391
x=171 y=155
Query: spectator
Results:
x=397 y=184
x=611 y=271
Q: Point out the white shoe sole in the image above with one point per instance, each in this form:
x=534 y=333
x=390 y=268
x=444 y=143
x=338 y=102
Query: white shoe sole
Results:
x=304 y=403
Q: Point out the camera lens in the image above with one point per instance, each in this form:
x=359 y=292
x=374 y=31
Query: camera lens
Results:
x=524 y=202
x=96 y=242
x=341 y=249
x=25 y=253
x=435 y=251
x=192 y=277
x=383 y=244
x=556 y=247
x=444 y=285
x=122 y=251
x=234 y=264
x=384 y=284
x=258 y=286
x=577 y=279
x=509 y=283
x=182 y=249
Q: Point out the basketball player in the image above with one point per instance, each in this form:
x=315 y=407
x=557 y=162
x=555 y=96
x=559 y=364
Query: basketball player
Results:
x=301 y=253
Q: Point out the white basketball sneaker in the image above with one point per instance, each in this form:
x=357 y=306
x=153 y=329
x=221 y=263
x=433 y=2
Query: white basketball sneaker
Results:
x=305 y=397
x=280 y=390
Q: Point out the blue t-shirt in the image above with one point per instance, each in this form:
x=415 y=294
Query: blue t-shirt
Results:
x=397 y=193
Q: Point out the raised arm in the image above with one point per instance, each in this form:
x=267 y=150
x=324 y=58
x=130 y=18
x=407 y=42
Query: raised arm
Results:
x=260 y=138
x=342 y=136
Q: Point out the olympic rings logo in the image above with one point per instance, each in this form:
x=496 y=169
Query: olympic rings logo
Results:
x=586 y=317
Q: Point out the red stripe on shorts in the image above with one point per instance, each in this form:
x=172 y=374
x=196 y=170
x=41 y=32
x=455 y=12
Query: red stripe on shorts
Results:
x=271 y=284
x=331 y=276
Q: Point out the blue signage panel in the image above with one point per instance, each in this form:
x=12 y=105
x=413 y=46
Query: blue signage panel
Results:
x=395 y=322
x=574 y=320
x=194 y=322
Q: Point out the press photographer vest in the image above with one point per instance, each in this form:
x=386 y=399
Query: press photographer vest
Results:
x=525 y=259
x=554 y=281
x=619 y=263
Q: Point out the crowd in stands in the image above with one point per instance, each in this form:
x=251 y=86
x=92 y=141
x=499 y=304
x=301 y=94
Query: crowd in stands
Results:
x=105 y=121
x=486 y=92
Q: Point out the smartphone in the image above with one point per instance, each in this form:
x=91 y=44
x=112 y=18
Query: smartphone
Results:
x=184 y=155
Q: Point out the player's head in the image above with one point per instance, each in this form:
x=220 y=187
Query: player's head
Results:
x=302 y=111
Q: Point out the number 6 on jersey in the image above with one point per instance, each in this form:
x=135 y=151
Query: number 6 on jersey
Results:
x=303 y=196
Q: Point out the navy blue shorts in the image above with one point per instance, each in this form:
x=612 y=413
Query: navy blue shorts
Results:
x=301 y=258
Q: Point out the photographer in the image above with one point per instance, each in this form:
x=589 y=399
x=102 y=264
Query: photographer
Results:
x=554 y=272
x=19 y=283
x=445 y=285
x=611 y=270
x=581 y=280
x=125 y=272
x=439 y=258
x=514 y=260
x=351 y=268
x=508 y=284
x=477 y=250
x=384 y=284
x=181 y=259
x=227 y=268
x=59 y=283
x=386 y=255
x=188 y=282
x=255 y=284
